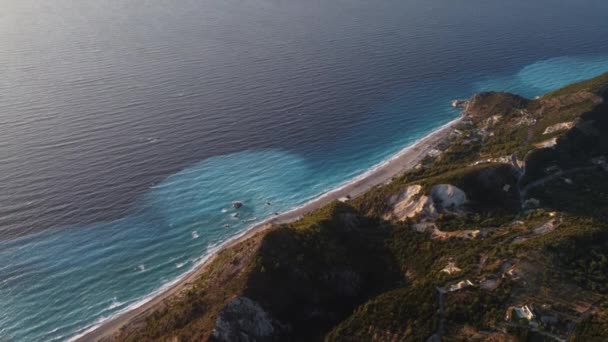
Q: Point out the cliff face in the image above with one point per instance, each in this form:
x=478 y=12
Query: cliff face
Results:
x=512 y=225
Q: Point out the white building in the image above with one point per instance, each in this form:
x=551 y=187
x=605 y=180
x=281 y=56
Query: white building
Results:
x=524 y=312
x=460 y=285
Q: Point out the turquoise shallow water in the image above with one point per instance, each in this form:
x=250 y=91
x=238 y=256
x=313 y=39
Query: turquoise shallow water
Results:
x=545 y=75
x=128 y=128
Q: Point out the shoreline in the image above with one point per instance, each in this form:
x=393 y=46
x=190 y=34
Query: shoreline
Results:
x=381 y=173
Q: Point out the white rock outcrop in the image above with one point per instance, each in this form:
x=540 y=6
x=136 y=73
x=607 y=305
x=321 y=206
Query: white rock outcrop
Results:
x=501 y=160
x=559 y=127
x=447 y=196
x=409 y=203
x=547 y=143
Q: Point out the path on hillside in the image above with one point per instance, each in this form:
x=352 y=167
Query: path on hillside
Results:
x=523 y=192
x=436 y=337
x=521 y=170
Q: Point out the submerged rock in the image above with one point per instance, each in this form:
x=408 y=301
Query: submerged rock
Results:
x=237 y=204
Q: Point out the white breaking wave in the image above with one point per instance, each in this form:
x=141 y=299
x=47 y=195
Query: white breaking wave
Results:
x=213 y=248
x=115 y=303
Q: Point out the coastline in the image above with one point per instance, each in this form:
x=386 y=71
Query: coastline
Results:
x=383 y=172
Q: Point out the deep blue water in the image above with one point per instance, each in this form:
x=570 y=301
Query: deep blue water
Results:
x=127 y=126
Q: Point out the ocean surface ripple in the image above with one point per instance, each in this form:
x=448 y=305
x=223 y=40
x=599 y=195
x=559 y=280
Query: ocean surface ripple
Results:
x=127 y=128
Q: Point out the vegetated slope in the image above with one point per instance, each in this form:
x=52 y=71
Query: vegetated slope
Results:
x=511 y=216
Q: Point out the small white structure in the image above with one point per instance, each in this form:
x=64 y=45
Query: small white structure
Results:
x=470 y=234
x=460 y=285
x=451 y=268
x=344 y=199
x=524 y=312
x=434 y=153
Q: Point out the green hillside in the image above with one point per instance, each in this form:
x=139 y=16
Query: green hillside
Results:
x=532 y=233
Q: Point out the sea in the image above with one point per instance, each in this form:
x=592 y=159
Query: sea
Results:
x=128 y=127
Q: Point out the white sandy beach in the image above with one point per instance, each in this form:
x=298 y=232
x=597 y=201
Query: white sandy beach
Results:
x=401 y=162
